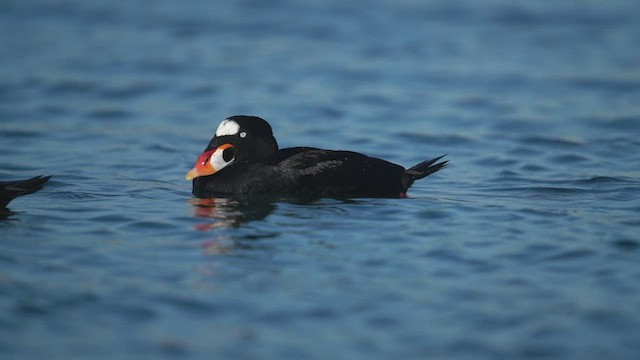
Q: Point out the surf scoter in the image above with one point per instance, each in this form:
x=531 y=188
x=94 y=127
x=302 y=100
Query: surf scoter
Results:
x=12 y=189
x=243 y=158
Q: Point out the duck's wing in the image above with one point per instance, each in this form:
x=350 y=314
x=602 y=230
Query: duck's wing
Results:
x=342 y=173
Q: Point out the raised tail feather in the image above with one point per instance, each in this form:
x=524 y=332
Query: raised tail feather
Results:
x=427 y=168
x=12 y=189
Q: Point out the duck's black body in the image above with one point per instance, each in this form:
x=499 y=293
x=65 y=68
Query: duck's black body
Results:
x=12 y=189
x=257 y=166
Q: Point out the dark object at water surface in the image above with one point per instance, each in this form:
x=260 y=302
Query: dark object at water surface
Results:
x=243 y=158
x=9 y=190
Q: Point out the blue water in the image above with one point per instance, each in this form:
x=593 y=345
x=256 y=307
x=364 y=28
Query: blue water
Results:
x=526 y=247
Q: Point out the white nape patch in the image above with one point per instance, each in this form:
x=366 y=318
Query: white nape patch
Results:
x=227 y=127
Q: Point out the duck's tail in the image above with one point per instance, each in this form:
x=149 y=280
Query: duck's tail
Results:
x=12 y=189
x=427 y=168
x=421 y=170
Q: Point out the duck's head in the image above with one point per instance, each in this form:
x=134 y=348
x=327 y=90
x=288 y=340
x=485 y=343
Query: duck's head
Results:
x=238 y=139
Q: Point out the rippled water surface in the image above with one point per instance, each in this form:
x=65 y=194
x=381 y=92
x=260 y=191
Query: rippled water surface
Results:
x=527 y=246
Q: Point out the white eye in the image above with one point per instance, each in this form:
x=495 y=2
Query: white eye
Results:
x=243 y=134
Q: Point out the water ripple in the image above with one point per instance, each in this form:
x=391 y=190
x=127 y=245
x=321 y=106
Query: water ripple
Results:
x=550 y=142
x=440 y=139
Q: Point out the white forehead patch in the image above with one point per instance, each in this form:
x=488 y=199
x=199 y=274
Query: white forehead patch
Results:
x=227 y=127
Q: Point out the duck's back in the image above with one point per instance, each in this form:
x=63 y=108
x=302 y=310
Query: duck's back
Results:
x=341 y=173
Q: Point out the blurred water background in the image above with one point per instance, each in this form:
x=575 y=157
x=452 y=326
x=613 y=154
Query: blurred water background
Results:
x=526 y=247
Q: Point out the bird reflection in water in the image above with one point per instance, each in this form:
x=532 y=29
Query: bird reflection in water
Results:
x=226 y=213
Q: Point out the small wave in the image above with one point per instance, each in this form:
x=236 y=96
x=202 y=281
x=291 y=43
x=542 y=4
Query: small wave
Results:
x=496 y=161
x=20 y=133
x=570 y=255
x=537 y=190
x=80 y=195
x=433 y=214
x=130 y=91
x=166 y=148
x=626 y=244
x=115 y=218
x=72 y=86
x=110 y=113
x=191 y=305
x=550 y=141
x=435 y=139
x=621 y=85
x=54 y=110
x=602 y=180
x=533 y=168
x=557 y=190
x=568 y=159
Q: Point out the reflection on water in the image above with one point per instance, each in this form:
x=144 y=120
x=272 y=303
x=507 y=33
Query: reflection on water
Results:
x=227 y=213
x=230 y=212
